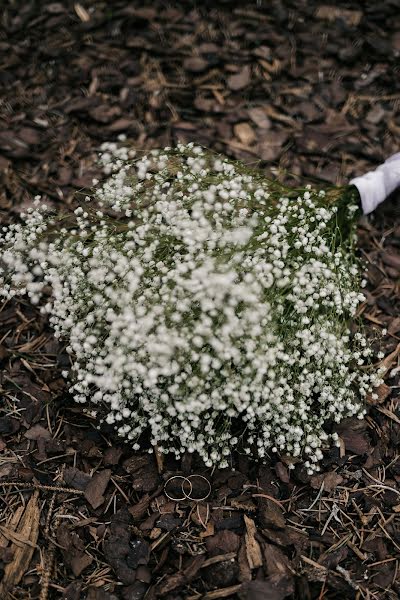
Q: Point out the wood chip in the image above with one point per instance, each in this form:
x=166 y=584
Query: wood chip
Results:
x=253 y=550
x=82 y=13
x=240 y=80
x=383 y=391
x=222 y=593
x=260 y=117
x=388 y=361
x=330 y=480
x=388 y=413
x=96 y=488
x=331 y=13
x=27 y=532
x=245 y=133
x=273 y=145
x=270 y=513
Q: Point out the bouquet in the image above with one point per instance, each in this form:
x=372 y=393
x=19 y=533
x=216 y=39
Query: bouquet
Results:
x=203 y=304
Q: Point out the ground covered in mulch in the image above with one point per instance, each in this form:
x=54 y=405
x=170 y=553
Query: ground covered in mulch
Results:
x=310 y=91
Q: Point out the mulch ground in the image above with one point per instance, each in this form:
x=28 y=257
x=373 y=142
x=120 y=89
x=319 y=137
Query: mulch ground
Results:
x=306 y=90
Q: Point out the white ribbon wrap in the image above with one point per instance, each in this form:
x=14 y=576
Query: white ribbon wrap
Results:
x=377 y=185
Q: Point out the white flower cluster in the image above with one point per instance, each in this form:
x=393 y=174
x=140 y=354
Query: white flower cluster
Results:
x=201 y=304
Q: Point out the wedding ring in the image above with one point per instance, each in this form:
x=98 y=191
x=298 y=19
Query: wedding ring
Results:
x=208 y=485
x=187 y=496
x=184 y=495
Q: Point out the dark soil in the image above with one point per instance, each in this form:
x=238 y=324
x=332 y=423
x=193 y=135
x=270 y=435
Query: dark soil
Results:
x=308 y=91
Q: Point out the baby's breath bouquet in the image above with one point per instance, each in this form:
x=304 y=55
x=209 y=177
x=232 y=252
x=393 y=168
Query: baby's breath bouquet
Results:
x=202 y=303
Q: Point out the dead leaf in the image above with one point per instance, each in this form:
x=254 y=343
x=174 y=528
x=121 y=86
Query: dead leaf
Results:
x=147 y=13
x=8 y=425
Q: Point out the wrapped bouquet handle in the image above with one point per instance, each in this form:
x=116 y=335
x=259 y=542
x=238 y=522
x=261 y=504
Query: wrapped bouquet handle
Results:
x=375 y=186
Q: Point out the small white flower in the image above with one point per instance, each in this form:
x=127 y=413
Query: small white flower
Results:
x=198 y=304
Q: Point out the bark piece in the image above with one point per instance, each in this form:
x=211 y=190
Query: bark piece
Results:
x=27 y=530
x=259 y=117
x=253 y=550
x=240 y=80
x=75 y=478
x=270 y=514
x=73 y=549
x=96 y=487
x=272 y=146
x=222 y=542
x=245 y=133
x=260 y=590
x=330 y=480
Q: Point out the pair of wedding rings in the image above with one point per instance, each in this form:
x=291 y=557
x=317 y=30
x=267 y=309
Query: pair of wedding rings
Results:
x=186 y=482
